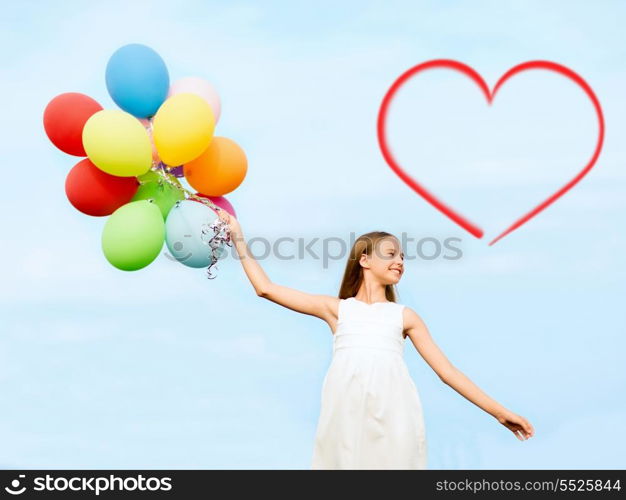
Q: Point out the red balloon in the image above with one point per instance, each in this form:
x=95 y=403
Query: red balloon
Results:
x=94 y=192
x=64 y=119
x=220 y=201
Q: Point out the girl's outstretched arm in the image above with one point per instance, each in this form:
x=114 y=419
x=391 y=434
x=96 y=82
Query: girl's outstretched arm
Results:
x=450 y=375
x=321 y=306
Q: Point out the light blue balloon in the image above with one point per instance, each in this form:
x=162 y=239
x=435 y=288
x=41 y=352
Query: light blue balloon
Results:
x=183 y=233
x=137 y=79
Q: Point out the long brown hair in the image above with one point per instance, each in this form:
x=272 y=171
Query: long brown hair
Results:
x=353 y=275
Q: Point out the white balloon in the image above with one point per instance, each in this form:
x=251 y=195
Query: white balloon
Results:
x=199 y=87
x=183 y=233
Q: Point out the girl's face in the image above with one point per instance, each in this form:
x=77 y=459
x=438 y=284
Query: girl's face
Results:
x=386 y=262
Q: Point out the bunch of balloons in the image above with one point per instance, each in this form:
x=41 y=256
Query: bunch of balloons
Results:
x=135 y=156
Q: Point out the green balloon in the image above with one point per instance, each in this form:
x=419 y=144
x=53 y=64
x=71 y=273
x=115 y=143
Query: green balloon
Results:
x=154 y=187
x=152 y=176
x=133 y=235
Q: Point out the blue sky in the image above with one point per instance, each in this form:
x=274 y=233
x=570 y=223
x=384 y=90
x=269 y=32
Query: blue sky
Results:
x=163 y=368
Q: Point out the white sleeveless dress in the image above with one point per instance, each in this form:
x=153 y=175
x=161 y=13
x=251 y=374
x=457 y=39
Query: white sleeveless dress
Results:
x=371 y=413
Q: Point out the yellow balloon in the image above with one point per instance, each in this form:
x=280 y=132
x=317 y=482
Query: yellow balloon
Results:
x=182 y=128
x=117 y=143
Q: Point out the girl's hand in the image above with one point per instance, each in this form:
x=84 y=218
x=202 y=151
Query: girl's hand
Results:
x=233 y=223
x=517 y=424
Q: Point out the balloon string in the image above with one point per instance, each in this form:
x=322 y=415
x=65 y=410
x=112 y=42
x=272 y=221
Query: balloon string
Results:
x=214 y=234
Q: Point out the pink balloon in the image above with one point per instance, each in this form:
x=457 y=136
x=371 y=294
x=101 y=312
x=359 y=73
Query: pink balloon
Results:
x=221 y=202
x=198 y=86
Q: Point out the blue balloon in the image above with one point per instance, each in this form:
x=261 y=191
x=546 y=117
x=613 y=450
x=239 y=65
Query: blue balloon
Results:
x=137 y=80
x=183 y=233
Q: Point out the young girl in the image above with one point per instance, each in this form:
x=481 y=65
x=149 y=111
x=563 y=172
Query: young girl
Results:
x=371 y=414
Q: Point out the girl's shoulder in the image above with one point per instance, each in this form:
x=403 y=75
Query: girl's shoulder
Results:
x=399 y=305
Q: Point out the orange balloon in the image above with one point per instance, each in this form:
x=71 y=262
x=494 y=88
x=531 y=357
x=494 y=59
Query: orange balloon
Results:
x=219 y=169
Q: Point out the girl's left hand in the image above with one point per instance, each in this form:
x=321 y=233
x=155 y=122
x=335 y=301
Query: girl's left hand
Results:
x=517 y=424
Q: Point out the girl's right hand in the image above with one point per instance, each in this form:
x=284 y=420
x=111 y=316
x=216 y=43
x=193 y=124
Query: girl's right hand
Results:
x=232 y=222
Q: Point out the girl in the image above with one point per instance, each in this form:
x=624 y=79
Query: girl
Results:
x=371 y=414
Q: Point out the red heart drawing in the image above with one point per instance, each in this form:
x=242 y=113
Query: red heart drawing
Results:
x=473 y=75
